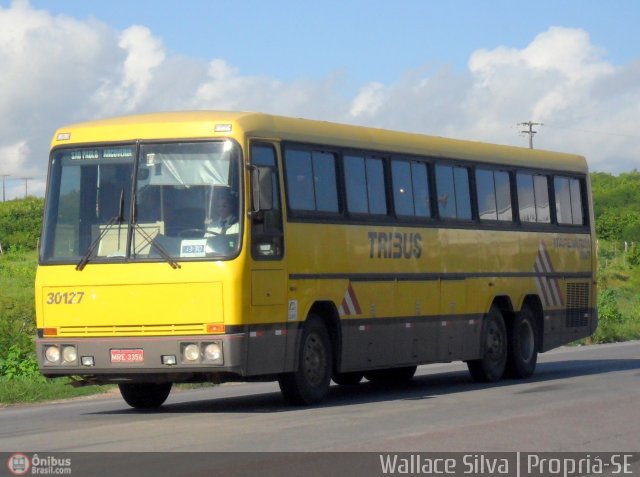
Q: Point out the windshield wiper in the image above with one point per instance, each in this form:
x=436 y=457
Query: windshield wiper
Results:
x=119 y=218
x=148 y=238
x=159 y=248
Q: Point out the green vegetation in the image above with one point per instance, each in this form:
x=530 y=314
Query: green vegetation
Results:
x=20 y=222
x=20 y=380
x=17 y=323
x=617 y=206
x=617 y=209
x=619 y=292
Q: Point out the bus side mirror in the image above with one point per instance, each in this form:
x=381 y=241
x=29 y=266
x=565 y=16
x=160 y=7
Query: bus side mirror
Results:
x=262 y=189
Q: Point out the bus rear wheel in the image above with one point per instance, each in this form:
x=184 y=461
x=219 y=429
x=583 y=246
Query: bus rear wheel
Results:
x=523 y=345
x=145 y=395
x=491 y=366
x=309 y=383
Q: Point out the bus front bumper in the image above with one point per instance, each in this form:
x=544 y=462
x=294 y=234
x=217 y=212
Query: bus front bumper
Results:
x=122 y=359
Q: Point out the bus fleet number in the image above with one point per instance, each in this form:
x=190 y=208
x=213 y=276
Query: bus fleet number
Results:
x=66 y=298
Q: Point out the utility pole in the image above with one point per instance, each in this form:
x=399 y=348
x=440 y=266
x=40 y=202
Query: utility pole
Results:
x=26 y=180
x=4 y=176
x=530 y=131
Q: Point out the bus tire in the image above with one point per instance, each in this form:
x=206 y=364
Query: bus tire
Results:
x=145 y=395
x=309 y=383
x=348 y=379
x=523 y=345
x=491 y=366
x=392 y=376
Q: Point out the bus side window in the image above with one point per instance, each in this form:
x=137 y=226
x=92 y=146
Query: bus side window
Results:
x=311 y=183
x=533 y=197
x=452 y=186
x=494 y=195
x=267 y=237
x=568 y=200
x=365 y=184
x=410 y=188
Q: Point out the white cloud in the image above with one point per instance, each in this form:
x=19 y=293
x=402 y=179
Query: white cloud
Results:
x=555 y=72
x=224 y=88
x=368 y=100
x=58 y=69
x=13 y=157
x=51 y=65
x=124 y=93
x=564 y=81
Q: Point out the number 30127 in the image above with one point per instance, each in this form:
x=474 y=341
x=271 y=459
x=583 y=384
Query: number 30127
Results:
x=65 y=298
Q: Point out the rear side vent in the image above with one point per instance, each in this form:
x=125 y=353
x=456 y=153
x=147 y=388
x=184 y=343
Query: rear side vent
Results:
x=577 y=304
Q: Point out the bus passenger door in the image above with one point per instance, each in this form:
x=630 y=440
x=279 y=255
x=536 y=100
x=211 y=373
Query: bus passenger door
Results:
x=267 y=340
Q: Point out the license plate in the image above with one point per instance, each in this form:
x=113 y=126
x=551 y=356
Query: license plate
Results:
x=127 y=356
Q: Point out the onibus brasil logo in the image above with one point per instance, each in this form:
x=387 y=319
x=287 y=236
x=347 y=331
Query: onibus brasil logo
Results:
x=19 y=464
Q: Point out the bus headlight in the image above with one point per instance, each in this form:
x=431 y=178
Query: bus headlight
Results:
x=191 y=352
x=69 y=354
x=52 y=354
x=213 y=352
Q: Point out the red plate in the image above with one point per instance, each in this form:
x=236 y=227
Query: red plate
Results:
x=127 y=356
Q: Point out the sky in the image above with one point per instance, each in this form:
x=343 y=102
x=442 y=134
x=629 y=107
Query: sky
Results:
x=457 y=68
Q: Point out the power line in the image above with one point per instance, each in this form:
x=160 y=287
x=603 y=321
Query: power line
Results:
x=530 y=131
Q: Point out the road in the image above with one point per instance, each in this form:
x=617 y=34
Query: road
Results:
x=580 y=399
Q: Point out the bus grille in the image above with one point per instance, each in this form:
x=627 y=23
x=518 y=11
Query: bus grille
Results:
x=577 y=305
x=132 y=330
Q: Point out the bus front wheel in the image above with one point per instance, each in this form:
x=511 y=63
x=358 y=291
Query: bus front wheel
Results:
x=145 y=395
x=309 y=383
x=491 y=366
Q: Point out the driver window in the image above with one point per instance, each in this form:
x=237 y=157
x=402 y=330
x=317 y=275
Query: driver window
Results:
x=267 y=238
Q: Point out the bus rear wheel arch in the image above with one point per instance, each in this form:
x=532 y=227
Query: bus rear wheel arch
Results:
x=309 y=382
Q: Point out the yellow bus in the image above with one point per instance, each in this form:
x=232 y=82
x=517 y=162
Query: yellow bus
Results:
x=219 y=246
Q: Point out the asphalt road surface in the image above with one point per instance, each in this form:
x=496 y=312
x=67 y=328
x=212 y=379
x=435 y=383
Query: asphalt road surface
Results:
x=580 y=399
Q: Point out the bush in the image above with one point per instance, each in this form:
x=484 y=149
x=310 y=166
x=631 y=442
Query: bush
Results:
x=20 y=364
x=17 y=324
x=17 y=306
x=20 y=223
x=611 y=321
x=633 y=256
x=608 y=310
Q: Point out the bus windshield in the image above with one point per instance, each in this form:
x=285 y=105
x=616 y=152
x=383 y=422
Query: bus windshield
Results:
x=152 y=202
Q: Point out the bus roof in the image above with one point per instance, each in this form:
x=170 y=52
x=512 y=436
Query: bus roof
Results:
x=202 y=124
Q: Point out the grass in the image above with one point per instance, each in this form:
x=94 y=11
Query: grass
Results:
x=619 y=294
x=26 y=390
x=17 y=311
